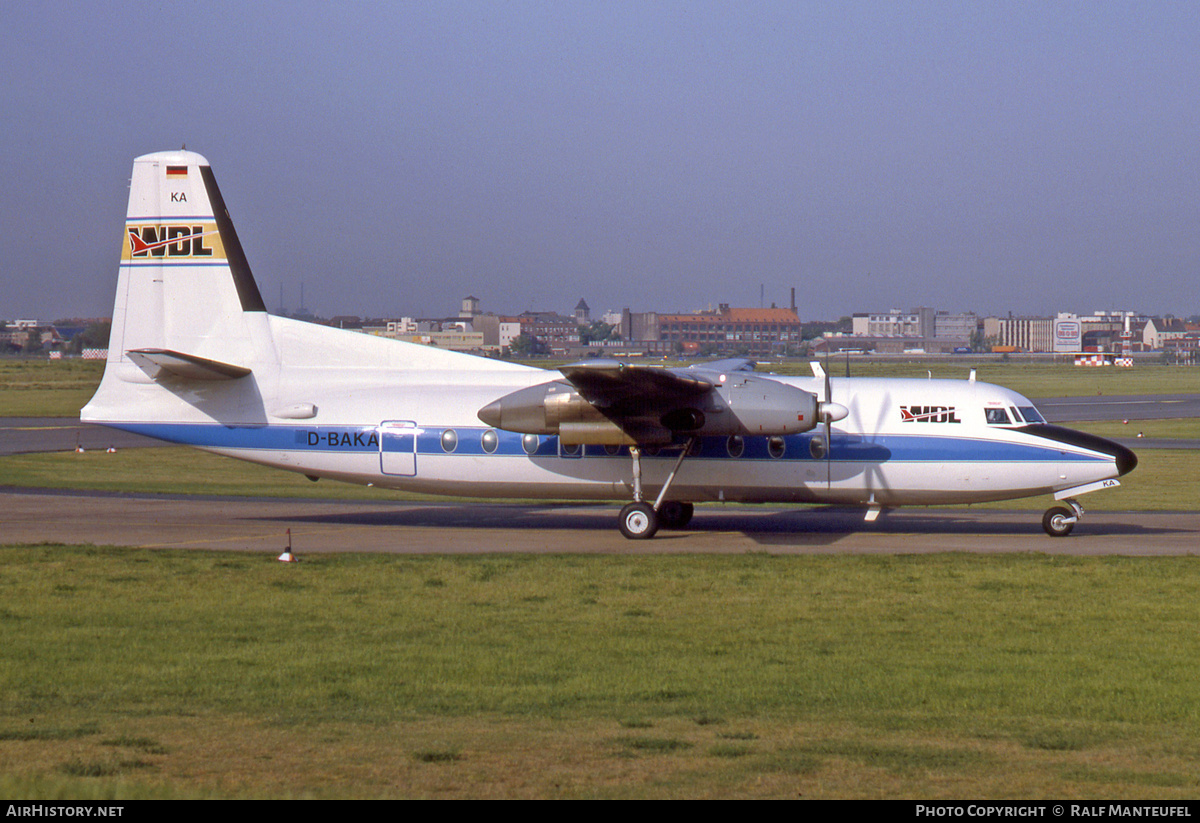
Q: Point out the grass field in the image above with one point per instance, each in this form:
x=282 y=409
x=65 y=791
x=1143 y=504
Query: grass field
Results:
x=137 y=673
x=47 y=388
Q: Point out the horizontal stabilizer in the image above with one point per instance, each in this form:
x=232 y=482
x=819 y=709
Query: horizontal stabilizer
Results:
x=187 y=366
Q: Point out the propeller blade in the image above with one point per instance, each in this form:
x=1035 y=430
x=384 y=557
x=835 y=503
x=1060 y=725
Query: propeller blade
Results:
x=828 y=422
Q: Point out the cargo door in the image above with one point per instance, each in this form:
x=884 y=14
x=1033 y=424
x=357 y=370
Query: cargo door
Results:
x=398 y=447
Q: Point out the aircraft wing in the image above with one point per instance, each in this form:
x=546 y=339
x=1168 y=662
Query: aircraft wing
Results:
x=728 y=364
x=643 y=402
x=617 y=388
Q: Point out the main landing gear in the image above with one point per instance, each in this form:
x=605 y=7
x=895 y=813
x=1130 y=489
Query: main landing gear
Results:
x=1058 y=521
x=641 y=520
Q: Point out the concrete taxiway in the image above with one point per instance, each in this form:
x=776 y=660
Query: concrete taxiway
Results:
x=25 y=435
x=1119 y=407
x=317 y=526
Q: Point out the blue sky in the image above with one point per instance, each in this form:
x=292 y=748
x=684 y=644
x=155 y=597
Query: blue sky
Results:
x=990 y=157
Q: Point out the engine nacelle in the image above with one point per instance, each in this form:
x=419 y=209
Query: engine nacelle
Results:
x=547 y=408
x=742 y=404
x=749 y=405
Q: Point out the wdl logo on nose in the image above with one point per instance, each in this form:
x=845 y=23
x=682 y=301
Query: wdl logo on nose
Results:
x=928 y=414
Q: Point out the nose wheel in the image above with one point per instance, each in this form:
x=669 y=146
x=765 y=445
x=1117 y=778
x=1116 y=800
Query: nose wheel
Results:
x=1058 y=521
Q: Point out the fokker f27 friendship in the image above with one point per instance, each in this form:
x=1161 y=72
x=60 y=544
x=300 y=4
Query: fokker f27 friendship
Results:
x=196 y=359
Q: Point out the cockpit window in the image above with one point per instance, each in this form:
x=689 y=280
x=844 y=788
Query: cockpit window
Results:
x=997 y=417
x=1016 y=415
x=1032 y=415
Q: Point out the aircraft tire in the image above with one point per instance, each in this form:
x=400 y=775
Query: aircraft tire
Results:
x=1055 y=521
x=639 y=521
x=675 y=515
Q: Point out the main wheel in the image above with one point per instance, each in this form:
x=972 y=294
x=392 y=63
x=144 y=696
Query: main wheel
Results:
x=1058 y=521
x=639 y=521
x=675 y=515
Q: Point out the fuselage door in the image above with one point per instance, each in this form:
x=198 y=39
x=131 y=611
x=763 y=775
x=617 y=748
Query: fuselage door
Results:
x=398 y=447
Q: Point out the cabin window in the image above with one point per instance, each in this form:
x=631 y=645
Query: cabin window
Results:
x=569 y=449
x=1032 y=415
x=776 y=446
x=735 y=445
x=997 y=417
x=490 y=440
x=816 y=447
x=612 y=451
x=530 y=443
x=449 y=441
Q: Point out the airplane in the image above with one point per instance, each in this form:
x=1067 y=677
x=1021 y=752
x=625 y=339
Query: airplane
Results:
x=195 y=358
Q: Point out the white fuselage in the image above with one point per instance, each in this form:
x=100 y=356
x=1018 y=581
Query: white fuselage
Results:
x=382 y=414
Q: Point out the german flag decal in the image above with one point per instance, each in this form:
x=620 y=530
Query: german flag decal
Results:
x=176 y=171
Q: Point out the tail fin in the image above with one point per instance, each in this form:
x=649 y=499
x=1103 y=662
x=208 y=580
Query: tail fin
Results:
x=184 y=283
x=187 y=305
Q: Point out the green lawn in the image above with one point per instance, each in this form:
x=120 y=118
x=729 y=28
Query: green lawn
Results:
x=144 y=673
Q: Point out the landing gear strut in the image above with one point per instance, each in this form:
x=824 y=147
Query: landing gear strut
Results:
x=1058 y=521
x=639 y=519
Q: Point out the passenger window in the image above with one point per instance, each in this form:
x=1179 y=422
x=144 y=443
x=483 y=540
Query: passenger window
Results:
x=776 y=446
x=735 y=445
x=997 y=417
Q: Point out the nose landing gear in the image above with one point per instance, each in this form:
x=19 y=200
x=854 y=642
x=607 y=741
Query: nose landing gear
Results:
x=1058 y=521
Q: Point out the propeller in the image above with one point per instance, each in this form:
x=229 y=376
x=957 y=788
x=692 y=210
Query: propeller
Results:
x=827 y=413
x=827 y=419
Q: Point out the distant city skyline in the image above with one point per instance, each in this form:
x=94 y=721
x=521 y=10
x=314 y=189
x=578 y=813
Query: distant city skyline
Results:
x=669 y=156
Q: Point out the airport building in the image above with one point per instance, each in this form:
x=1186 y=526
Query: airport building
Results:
x=755 y=331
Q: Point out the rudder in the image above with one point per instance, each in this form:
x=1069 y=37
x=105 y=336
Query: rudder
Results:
x=187 y=306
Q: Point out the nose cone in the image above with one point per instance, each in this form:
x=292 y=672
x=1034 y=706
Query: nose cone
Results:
x=832 y=412
x=1125 y=459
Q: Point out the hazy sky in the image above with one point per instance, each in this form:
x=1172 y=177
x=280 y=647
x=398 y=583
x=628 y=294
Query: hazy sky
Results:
x=394 y=157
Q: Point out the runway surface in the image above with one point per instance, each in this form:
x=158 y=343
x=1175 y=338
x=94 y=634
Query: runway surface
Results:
x=317 y=526
x=24 y=435
x=1119 y=407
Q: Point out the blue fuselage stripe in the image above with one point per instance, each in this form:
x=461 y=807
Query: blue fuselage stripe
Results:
x=429 y=441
